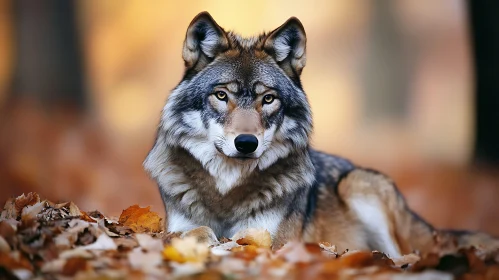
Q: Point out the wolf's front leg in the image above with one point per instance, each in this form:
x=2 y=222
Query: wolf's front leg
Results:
x=267 y=219
x=177 y=222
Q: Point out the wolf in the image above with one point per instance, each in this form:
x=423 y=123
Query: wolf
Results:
x=232 y=152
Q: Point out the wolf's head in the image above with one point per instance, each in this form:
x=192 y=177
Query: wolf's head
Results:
x=240 y=105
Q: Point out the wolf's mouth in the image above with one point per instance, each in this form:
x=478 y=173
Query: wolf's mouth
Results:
x=243 y=157
x=238 y=156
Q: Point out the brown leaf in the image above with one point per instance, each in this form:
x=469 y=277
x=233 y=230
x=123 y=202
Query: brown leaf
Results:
x=252 y=236
x=203 y=234
x=30 y=212
x=119 y=229
x=141 y=219
x=249 y=252
x=84 y=216
x=85 y=237
x=125 y=243
x=9 y=210
x=73 y=265
x=492 y=272
x=295 y=252
x=360 y=259
x=11 y=261
x=8 y=233
x=475 y=264
x=428 y=261
x=95 y=214
x=26 y=200
x=74 y=211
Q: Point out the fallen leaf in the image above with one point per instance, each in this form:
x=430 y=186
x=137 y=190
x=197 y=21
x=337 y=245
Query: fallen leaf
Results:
x=170 y=253
x=7 y=232
x=249 y=252
x=14 y=260
x=186 y=269
x=74 y=211
x=4 y=246
x=103 y=242
x=73 y=265
x=125 y=242
x=22 y=273
x=186 y=250
x=257 y=237
x=224 y=248
x=294 y=252
x=328 y=248
x=54 y=266
x=144 y=260
x=9 y=210
x=406 y=260
x=203 y=234
x=29 y=212
x=102 y=226
x=148 y=243
x=140 y=219
x=78 y=252
x=26 y=200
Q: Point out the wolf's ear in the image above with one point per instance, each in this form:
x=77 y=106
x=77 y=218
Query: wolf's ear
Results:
x=287 y=46
x=203 y=41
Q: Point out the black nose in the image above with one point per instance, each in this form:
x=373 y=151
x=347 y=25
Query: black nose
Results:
x=246 y=143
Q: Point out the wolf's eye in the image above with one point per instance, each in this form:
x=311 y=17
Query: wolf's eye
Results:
x=220 y=95
x=267 y=99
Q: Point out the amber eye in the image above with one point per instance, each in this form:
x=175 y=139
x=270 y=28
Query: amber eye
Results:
x=221 y=95
x=267 y=99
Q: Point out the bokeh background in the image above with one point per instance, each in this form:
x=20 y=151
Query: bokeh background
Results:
x=392 y=85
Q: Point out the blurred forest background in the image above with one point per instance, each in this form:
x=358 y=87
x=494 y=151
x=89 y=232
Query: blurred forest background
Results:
x=394 y=85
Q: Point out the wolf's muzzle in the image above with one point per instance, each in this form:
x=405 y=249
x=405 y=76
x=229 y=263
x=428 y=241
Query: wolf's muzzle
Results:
x=246 y=143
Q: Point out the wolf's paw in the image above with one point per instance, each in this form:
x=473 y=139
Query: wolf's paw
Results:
x=203 y=234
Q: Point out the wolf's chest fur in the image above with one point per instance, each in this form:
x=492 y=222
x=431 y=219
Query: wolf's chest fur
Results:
x=233 y=152
x=264 y=195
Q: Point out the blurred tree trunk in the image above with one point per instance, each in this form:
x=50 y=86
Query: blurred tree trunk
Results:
x=386 y=70
x=49 y=67
x=484 y=21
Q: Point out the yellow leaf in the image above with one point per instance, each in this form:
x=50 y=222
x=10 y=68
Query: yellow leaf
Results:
x=171 y=254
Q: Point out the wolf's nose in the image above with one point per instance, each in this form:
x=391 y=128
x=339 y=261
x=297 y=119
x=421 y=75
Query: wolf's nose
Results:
x=246 y=143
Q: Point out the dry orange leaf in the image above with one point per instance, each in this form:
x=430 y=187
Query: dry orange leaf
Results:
x=252 y=236
x=140 y=219
x=84 y=216
x=73 y=265
x=26 y=200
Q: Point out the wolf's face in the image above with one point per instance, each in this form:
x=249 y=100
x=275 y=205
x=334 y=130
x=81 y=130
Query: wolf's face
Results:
x=240 y=104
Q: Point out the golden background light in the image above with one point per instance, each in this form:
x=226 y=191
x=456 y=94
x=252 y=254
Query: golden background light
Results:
x=389 y=82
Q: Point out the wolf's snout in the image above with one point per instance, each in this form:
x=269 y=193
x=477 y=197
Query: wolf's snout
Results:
x=246 y=143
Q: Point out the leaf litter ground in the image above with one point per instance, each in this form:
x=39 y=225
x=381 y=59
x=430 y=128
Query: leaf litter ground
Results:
x=40 y=239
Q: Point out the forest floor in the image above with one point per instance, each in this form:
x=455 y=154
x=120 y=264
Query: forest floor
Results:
x=40 y=239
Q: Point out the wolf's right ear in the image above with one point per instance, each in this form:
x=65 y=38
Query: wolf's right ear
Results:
x=203 y=41
x=287 y=45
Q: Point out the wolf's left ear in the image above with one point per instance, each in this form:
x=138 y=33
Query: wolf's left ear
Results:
x=287 y=46
x=203 y=41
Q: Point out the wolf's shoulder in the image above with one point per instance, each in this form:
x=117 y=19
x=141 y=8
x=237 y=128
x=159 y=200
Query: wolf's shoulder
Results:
x=329 y=168
x=323 y=160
